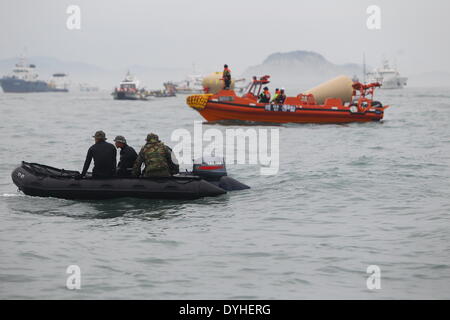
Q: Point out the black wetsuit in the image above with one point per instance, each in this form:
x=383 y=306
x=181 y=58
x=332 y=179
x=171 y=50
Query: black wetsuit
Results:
x=127 y=158
x=104 y=155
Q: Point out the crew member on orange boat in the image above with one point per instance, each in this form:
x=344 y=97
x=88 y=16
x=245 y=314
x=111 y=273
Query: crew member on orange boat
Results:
x=264 y=97
x=226 y=76
x=279 y=100
x=276 y=94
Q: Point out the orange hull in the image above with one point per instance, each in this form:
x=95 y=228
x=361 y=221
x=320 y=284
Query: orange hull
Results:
x=227 y=106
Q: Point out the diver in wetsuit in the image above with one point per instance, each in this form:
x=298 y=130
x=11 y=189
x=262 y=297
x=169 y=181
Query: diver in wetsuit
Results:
x=127 y=157
x=104 y=155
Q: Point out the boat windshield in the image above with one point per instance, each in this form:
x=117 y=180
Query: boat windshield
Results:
x=128 y=86
x=254 y=89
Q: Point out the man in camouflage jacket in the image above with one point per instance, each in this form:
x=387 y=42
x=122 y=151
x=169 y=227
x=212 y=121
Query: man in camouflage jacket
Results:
x=156 y=157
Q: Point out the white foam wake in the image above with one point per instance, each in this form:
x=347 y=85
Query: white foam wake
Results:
x=11 y=195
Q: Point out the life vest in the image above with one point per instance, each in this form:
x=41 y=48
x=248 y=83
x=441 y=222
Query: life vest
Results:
x=275 y=96
x=226 y=74
x=281 y=98
x=264 y=96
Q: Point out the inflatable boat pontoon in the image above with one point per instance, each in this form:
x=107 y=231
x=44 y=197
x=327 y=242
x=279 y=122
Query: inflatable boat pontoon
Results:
x=43 y=181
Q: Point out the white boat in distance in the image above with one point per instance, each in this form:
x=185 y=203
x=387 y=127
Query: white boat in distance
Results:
x=388 y=76
x=192 y=84
x=129 y=89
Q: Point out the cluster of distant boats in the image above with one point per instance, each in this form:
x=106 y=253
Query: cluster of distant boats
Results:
x=130 y=89
x=24 y=78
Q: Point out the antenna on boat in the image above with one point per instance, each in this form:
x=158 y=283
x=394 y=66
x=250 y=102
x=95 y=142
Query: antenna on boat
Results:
x=23 y=57
x=364 y=67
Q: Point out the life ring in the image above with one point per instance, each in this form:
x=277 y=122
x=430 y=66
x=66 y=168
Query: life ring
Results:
x=363 y=105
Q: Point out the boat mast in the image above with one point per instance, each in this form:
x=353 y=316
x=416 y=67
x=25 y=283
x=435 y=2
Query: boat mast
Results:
x=364 y=67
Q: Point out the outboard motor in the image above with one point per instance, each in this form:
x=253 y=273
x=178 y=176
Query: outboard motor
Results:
x=211 y=170
x=214 y=171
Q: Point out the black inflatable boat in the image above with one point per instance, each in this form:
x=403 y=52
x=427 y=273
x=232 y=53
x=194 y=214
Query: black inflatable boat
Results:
x=43 y=181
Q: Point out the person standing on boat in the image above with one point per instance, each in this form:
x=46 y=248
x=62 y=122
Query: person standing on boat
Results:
x=155 y=156
x=226 y=76
x=104 y=155
x=264 y=97
x=127 y=157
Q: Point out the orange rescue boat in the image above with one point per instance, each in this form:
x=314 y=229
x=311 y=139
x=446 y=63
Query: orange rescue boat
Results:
x=226 y=105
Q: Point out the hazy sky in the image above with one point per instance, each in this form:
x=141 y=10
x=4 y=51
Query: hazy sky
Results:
x=209 y=33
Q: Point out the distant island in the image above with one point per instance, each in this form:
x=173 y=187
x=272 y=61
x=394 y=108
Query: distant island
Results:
x=301 y=69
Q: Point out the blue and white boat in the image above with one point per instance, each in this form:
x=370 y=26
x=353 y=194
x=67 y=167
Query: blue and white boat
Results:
x=24 y=78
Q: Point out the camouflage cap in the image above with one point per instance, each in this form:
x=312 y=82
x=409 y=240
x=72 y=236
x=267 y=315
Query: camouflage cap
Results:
x=99 y=135
x=152 y=137
x=120 y=139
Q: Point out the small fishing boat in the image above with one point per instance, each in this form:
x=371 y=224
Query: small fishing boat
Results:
x=192 y=84
x=206 y=180
x=129 y=89
x=58 y=83
x=169 y=91
x=357 y=106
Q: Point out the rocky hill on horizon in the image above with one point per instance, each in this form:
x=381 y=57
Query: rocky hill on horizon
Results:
x=301 y=69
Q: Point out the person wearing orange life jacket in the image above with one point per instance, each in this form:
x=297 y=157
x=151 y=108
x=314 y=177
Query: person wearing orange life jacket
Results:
x=264 y=97
x=226 y=76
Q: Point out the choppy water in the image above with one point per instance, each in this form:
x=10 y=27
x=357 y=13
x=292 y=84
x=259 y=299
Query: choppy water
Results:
x=346 y=197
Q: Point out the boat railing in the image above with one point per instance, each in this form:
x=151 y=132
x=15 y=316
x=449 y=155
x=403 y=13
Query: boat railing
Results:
x=255 y=87
x=361 y=90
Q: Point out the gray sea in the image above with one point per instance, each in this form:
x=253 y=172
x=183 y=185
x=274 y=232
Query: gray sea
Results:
x=346 y=197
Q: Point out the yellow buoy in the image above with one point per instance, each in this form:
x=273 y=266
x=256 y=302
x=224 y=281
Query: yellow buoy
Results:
x=339 y=88
x=214 y=83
